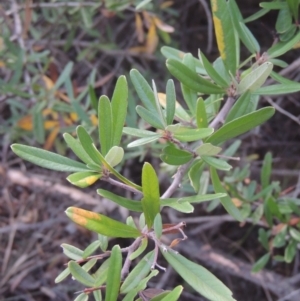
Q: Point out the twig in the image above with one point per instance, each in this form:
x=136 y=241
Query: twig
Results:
x=223 y=112
x=121 y=185
x=281 y=110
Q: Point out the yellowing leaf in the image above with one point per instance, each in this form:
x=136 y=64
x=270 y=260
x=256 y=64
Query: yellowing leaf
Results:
x=51 y=138
x=139 y=28
x=237 y=202
x=163 y=26
x=94 y=119
x=166 y=4
x=25 y=123
x=138 y=49
x=49 y=84
x=49 y=124
x=152 y=39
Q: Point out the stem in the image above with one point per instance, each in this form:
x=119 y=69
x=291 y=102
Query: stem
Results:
x=223 y=112
x=121 y=185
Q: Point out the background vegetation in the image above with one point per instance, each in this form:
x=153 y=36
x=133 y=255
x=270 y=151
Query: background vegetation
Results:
x=54 y=58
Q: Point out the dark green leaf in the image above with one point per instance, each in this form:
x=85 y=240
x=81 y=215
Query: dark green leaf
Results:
x=260 y=263
x=105 y=124
x=170 y=101
x=191 y=79
x=114 y=274
x=124 y=202
x=119 y=103
x=266 y=170
x=174 y=156
x=201 y=116
x=93 y=98
x=150 y=201
x=226 y=201
x=47 y=159
x=241 y=125
x=143 y=90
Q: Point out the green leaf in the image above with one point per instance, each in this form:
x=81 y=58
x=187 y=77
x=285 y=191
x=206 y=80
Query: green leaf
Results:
x=101 y=224
x=77 y=148
x=150 y=201
x=282 y=47
x=124 y=202
x=63 y=76
x=91 y=248
x=80 y=274
x=241 y=125
x=119 y=103
x=138 y=132
x=174 y=294
x=216 y=163
x=170 y=101
x=283 y=21
x=38 y=126
x=88 y=145
x=82 y=297
x=143 y=141
x=207 y=149
x=47 y=159
x=142 y=247
x=93 y=98
x=103 y=240
x=159 y=110
x=213 y=74
x=260 y=263
x=140 y=271
x=114 y=274
x=295 y=234
x=187 y=135
x=114 y=156
x=245 y=104
x=226 y=200
x=101 y=274
x=263 y=238
x=97 y=295
x=255 y=79
x=184 y=207
x=225 y=34
x=105 y=124
x=290 y=251
x=199 y=278
x=294 y=8
x=143 y=90
x=83 y=178
x=244 y=33
x=72 y=252
x=201 y=116
x=257 y=15
x=279 y=89
x=266 y=170
x=191 y=79
x=157 y=225
x=189 y=96
x=273 y=5
x=174 y=156
x=150 y=117
x=195 y=173
x=195 y=199
x=63 y=275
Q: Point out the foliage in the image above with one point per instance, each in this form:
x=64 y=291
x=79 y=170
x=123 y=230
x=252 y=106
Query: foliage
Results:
x=192 y=144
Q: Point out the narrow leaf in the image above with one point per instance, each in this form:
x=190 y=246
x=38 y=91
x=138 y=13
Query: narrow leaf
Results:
x=83 y=179
x=143 y=141
x=201 y=116
x=105 y=124
x=47 y=159
x=174 y=156
x=119 y=103
x=216 y=163
x=260 y=264
x=100 y=223
x=124 y=202
x=150 y=201
x=226 y=200
x=150 y=117
x=171 y=101
x=199 y=278
x=114 y=274
x=191 y=79
x=241 y=125
x=201 y=198
x=80 y=274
